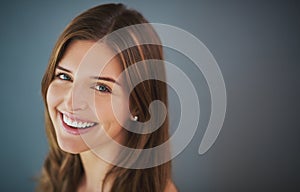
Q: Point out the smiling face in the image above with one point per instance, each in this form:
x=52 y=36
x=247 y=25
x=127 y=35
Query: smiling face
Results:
x=79 y=97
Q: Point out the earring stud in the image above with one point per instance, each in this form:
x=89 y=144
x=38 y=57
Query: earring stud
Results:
x=134 y=118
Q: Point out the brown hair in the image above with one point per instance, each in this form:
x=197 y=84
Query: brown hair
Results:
x=62 y=171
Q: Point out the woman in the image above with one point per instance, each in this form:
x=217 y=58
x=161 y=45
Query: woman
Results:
x=87 y=77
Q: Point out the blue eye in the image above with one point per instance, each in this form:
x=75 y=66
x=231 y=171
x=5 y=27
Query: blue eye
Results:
x=103 y=88
x=63 y=76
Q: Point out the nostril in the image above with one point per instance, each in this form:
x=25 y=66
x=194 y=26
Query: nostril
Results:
x=73 y=106
x=75 y=102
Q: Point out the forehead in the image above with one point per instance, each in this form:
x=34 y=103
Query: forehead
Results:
x=91 y=58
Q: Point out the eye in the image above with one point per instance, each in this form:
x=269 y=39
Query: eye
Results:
x=63 y=76
x=103 y=88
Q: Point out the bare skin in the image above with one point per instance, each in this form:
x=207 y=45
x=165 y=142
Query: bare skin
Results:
x=75 y=99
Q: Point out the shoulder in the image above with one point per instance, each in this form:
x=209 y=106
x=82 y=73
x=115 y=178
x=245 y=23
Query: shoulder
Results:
x=171 y=187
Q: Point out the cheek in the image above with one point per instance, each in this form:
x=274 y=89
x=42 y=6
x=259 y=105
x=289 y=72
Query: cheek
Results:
x=54 y=95
x=107 y=114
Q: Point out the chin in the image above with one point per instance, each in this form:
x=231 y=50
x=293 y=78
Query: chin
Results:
x=72 y=147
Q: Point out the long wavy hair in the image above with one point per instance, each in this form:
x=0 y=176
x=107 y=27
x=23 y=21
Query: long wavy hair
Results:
x=63 y=171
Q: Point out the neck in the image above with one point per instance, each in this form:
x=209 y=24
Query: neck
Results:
x=95 y=170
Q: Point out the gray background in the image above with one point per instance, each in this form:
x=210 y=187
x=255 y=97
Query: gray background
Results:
x=256 y=44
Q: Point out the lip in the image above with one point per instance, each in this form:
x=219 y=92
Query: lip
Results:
x=73 y=130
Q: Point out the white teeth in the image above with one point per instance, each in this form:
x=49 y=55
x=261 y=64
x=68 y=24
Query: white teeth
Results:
x=77 y=124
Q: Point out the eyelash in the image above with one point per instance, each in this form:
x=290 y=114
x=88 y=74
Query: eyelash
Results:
x=106 y=88
x=66 y=77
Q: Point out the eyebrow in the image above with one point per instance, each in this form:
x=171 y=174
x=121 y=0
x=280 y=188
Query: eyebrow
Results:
x=106 y=79
x=64 y=69
x=93 y=77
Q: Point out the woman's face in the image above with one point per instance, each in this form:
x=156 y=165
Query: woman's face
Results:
x=79 y=98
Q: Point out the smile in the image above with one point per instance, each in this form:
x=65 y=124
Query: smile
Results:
x=77 y=124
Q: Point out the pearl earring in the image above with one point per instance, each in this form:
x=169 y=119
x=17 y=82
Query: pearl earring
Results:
x=134 y=118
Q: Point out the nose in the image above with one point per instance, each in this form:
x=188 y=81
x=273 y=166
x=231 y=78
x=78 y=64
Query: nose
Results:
x=75 y=99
